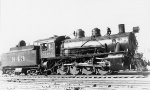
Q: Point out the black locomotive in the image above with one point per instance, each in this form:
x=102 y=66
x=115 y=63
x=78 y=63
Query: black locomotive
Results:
x=60 y=55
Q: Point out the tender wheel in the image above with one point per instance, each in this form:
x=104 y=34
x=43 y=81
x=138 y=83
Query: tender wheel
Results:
x=31 y=72
x=28 y=72
x=10 y=72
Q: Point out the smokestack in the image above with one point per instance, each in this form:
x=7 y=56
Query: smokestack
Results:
x=121 y=28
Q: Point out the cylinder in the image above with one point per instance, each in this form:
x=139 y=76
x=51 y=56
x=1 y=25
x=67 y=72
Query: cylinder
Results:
x=80 y=33
x=121 y=28
x=96 y=32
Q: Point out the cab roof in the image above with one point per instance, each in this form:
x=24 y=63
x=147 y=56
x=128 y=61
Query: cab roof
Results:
x=49 y=40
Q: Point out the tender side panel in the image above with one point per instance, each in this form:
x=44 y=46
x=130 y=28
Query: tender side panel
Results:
x=20 y=58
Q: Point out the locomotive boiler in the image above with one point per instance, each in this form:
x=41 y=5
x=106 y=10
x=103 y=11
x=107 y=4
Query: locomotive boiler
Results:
x=122 y=41
x=100 y=54
x=81 y=55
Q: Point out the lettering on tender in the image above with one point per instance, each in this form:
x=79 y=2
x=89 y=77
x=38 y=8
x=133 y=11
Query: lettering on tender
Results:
x=18 y=58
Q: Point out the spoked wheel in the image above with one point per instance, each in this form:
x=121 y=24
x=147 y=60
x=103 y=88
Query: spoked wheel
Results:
x=87 y=70
x=10 y=72
x=74 y=70
x=28 y=72
x=62 y=70
x=101 y=71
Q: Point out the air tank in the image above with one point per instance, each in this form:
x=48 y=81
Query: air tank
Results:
x=80 y=33
x=121 y=28
x=96 y=32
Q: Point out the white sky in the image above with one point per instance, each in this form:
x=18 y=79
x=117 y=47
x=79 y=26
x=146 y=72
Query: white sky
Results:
x=31 y=20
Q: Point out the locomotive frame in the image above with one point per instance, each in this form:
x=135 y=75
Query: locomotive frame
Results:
x=79 y=56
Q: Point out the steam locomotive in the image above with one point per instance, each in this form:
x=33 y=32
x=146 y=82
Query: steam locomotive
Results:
x=61 y=55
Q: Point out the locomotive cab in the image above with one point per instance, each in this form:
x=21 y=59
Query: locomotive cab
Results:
x=49 y=50
x=50 y=47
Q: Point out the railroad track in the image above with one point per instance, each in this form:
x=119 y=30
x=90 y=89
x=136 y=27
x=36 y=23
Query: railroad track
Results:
x=80 y=82
x=73 y=76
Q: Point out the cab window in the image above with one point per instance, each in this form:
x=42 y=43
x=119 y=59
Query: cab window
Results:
x=44 y=46
x=50 y=45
